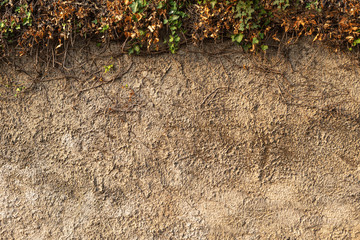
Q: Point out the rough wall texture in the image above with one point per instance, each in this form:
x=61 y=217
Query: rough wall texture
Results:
x=198 y=145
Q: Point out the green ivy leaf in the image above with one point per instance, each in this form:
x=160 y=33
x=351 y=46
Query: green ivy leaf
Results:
x=264 y=47
x=174 y=17
x=182 y=14
x=357 y=41
x=261 y=35
x=137 y=49
x=134 y=7
x=160 y=5
x=237 y=38
x=3 y=2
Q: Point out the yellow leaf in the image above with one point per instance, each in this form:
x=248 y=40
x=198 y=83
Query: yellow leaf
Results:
x=275 y=38
x=317 y=35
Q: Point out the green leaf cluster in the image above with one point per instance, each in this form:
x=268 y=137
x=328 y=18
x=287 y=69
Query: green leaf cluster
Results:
x=174 y=23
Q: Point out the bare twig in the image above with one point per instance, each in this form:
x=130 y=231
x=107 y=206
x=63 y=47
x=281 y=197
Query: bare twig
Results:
x=120 y=75
x=212 y=94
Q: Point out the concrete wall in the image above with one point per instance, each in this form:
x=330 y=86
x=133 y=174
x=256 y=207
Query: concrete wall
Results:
x=210 y=143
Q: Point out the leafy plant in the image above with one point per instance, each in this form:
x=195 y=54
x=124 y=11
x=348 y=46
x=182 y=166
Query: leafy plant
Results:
x=138 y=6
x=313 y=5
x=281 y=4
x=237 y=37
x=356 y=42
x=174 y=22
x=264 y=47
x=253 y=18
x=8 y=26
x=108 y=67
x=135 y=49
x=18 y=90
x=142 y=23
x=104 y=28
x=244 y=11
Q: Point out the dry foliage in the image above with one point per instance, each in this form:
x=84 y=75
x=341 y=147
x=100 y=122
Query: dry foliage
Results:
x=26 y=24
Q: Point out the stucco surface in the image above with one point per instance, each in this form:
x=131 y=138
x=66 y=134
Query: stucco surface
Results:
x=210 y=143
